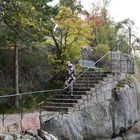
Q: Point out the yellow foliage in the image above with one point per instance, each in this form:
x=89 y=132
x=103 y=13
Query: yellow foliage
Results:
x=76 y=29
x=70 y=33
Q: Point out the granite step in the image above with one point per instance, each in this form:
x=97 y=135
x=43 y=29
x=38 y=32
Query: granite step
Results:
x=68 y=96
x=55 y=108
x=94 y=75
x=97 y=73
x=86 y=82
x=64 y=102
x=76 y=92
x=60 y=104
x=56 y=100
x=84 y=85
x=90 y=78
x=81 y=88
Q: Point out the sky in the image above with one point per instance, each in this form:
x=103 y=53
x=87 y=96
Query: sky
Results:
x=122 y=9
x=119 y=10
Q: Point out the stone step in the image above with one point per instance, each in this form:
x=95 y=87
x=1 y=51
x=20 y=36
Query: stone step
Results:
x=64 y=100
x=54 y=108
x=81 y=88
x=60 y=104
x=84 y=88
x=84 y=85
x=90 y=78
x=76 y=92
x=68 y=96
x=86 y=82
x=94 y=75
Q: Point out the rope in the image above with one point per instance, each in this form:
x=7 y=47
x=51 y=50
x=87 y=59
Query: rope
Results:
x=54 y=90
x=21 y=94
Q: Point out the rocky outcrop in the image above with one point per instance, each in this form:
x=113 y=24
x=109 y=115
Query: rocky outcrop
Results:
x=106 y=113
x=132 y=134
x=124 y=108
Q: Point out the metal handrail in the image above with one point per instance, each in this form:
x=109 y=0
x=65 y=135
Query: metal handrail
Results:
x=26 y=93
x=42 y=91
x=21 y=94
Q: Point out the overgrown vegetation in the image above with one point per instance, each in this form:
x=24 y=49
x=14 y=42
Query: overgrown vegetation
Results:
x=122 y=83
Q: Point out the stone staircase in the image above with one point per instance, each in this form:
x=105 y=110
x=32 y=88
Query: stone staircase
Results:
x=65 y=102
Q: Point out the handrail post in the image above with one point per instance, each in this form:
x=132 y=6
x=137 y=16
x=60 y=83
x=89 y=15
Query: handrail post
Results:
x=21 y=112
x=3 y=114
x=3 y=119
x=71 y=87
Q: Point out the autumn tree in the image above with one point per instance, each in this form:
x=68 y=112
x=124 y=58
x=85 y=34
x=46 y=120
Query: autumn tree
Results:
x=70 y=32
x=103 y=30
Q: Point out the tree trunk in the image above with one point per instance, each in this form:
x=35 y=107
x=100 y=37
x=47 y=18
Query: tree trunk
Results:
x=16 y=74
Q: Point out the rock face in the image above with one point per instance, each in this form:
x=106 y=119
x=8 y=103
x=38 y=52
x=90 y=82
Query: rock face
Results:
x=107 y=114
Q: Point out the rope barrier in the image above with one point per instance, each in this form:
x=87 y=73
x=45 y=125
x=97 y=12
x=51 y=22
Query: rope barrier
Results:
x=54 y=90
x=27 y=93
